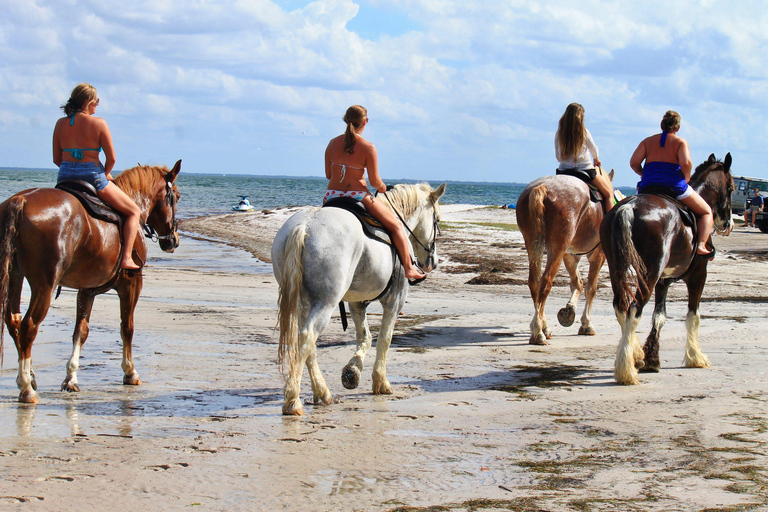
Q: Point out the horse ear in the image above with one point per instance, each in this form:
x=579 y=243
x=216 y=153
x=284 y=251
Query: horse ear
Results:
x=727 y=162
x=712 y=159
x=438 y=193
x=610 y=174
x=174 y=173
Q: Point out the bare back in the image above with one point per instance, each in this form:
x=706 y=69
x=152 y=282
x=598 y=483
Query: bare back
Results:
x=87 y=133
x=670 y=152
x=346 y=171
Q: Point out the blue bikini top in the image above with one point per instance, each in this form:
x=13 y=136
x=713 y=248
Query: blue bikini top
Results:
x=77 y=153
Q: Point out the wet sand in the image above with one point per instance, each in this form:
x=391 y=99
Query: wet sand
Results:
x=479 y=419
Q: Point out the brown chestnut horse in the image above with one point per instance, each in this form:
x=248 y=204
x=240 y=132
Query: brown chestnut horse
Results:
x=48 y=238
x=556 y=216
x=648 y=246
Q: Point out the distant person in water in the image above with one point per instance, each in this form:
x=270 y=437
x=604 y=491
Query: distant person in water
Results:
x=576 y=151
x=78 y=139
x=347 y=158
x=668 y=164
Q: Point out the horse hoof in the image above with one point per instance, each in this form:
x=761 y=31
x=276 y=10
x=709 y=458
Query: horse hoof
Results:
x=538 y=340
x=383 y=388
x=28 y=397
x=293 y=408
x=587 y=331
x=639 y=364
x=649 y=368
x=350 y=377
x=326 y=399
x=132 y=380
x=566 y=316
x=70 y=387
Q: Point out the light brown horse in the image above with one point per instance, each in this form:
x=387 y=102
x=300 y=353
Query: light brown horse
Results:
x=556 y=216
x=47 y=237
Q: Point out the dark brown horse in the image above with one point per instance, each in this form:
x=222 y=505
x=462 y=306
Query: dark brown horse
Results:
x=556 y=216
x=648 y=246
x=48 y=238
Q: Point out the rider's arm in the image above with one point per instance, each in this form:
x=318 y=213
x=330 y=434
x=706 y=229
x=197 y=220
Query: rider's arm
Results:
x=57 y=152
x=592 y=147
x=328 y=162
x=684 y=158
x=636 y=162
x=105 y=139
x=372 y=164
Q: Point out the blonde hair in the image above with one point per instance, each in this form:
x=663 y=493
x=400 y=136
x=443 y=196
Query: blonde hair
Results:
x=81 y=96
x=355 y=117
x=670 y=121
x=571 y=131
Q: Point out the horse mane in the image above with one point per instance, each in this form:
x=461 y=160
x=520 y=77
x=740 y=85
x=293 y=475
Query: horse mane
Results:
x=406 y=198
x=699 y=174
x=139 y=182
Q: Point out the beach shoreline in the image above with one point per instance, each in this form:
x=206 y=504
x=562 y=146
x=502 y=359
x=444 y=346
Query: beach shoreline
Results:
x=477 y=413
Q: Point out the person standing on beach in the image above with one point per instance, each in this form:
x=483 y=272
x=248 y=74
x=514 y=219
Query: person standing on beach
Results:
x=78 y=139
x=576 y=151
x=668 y=164
x=347 y=158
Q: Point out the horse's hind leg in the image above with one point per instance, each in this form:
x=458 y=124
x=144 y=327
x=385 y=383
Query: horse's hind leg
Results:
x=39 y=303
x=84 y=306
x=567 y=315
x=694 y=357
x=538 y=324
x=596 y=260
x=128 y=291
x=350 y=374
x=554 y=258
x=310 y=329
x=624 y=366
x=391 y=308
x=651 y=360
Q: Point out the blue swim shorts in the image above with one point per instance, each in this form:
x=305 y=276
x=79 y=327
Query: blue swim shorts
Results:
x=90 y=172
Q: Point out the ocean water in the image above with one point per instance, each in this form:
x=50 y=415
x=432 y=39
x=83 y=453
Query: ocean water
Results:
x=208 y=194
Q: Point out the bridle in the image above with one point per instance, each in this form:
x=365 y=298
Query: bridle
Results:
x=435 y=232
x=170 y=199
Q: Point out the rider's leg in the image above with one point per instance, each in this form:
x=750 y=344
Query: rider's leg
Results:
x=704 y=219
x=605 y=187
x=754 y=215
x=120 y=201
x=395 y=229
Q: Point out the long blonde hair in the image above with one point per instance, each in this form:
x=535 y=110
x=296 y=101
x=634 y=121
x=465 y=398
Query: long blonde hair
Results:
x=81 y=96
x=571 y=131
x=355 y=117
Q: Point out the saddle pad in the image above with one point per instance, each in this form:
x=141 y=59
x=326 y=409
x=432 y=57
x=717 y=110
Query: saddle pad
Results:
x=689 y=219
x=371 y=227
x=594 y=195
x=86 y=194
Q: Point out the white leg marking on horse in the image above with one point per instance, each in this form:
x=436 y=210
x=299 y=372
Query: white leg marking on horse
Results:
x=624 y=371
x=73 y=365
x=694 y=357
x=24 y=381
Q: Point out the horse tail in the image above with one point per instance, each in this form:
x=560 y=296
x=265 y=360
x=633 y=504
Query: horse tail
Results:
x=536 y=214
x=289 y=299
x=8 y=231
x=629 y=269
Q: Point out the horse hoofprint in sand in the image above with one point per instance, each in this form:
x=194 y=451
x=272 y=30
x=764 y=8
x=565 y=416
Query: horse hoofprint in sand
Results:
x=49 y=239
x=321 y=257
x=648 y=247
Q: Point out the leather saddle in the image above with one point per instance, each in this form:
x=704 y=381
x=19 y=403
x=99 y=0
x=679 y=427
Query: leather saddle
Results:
x=594 y=195
x=86 y=194
x=689 y=219
x=371 y=227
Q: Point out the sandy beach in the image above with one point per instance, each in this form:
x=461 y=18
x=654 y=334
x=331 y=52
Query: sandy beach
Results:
x=479 y=419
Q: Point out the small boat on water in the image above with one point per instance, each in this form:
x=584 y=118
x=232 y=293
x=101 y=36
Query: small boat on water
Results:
x=243 y=206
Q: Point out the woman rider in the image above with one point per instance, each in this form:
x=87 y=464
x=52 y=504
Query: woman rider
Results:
x=576 y=151
x=668 y=163
x=77 y=140
x=347 y=158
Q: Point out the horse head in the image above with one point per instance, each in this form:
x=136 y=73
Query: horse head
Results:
x=419 y=209
x=714 y=183
x=154 y=191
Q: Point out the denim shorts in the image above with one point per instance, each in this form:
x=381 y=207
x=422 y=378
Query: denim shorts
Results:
x=90 y=172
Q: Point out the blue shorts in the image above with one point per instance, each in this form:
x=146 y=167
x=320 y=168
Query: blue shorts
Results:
x=90 y=172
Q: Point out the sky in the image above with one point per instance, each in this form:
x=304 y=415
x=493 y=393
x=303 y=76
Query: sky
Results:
x=456 y=90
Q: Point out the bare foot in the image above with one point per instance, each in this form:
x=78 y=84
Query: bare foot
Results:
x=129 y=265
x=701 y=250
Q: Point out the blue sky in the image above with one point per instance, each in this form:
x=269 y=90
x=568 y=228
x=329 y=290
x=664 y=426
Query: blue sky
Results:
x=455 y=90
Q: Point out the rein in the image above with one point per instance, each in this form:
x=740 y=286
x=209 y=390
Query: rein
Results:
x=170 y=198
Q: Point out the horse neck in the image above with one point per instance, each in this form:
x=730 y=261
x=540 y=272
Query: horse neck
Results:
x=703 y=185
x=142 y=193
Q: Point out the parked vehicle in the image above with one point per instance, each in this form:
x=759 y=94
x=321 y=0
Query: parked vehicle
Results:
x=742 y=191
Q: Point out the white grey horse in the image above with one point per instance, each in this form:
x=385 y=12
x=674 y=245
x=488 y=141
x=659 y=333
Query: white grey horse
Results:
x=321 y=257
